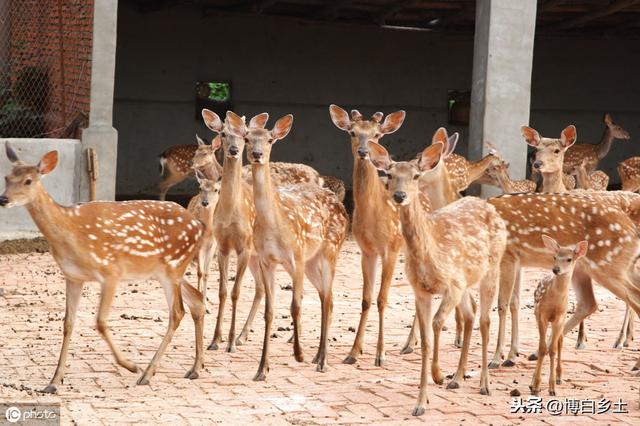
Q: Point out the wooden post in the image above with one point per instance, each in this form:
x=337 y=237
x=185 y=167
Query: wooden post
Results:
x=92 y=170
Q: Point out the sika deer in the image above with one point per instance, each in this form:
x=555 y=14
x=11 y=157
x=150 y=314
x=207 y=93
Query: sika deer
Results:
x=448 y=251
x=108 y=242
x=501 y=175
x=596 y=180
x=629 y=171
x=463 y=173
x=594 y=153
x=551 y=303
x=202 y=207
x=375 y=225
x=301 y=227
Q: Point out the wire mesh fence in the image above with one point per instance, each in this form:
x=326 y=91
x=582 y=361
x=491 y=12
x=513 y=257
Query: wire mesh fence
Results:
x=45 y=67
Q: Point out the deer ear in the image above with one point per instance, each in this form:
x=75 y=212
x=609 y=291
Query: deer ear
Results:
x=11 y=154
x=607 y=119
x=430 y=157
x=356 y=115
x=491 y=149
x=452 y=141
x=581 y=249
x=199 y=140
x=551 y=244
x=211 y=120
x=236 y=124
x=377 y=117
x=569 y=136
x=200 y=176
x=379 y=156
x=531 y=136
x=392 y=122
x=216 y=143
x=282 y=127
x=48 y=162
x=340 y=117
x=259 y=121
x=440 y=136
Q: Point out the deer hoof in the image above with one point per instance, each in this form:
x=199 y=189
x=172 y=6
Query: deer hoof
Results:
x=52 y=389
x=379 y=362
x=349 y=360
x=508 y=363
x=260 y=377
x=213 y=346
x=191 y=375
x=581 y=345
x=418 y=411
x=533 y=357
x=493 y=365
x=142 y=381
x=453 y=385
x=485 y=391
x=407 y=350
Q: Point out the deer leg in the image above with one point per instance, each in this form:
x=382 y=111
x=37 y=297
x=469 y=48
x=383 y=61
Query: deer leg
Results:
x=508 y=273
x=459 y=327
x=107 y=294
x=556 y=331
x=223 y=266
x=368 y=274
x=582 y=336
x=623 y=335
x=73 y=293
x=467 y=313
x=176 y=313
x=205 y=254
x=487 y=295
x=321 y=273
x=166 y=183
x=257 y=299
x=243 y=260
x=630 y=325
x=388 y=264
x=559 y=365
x=195 y=301
x=423 y=313
x=514 y=307
x=450 y=299
x=297 y=275
x=542 y=351
x=266 y=276
x=412 y=338
x=583 y=289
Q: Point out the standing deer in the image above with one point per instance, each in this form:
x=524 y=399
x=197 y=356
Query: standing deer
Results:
x=500 y=173
x=596 y=180
x=375 y=225
x=301 y=227
x=551 y=303
x=108 y=242
x=593 y=153
x=448 y=251
x=629 y=171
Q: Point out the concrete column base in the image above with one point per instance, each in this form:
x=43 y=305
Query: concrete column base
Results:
x=104 y=140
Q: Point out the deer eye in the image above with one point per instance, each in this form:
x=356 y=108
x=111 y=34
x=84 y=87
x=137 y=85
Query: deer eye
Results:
x=377 y=135
x=27 y=182
x=416 y=176
x=223 y=134
x=569 y=260
x=352 y=133
x=557 y=151
x=246 y=140
x=270 y=140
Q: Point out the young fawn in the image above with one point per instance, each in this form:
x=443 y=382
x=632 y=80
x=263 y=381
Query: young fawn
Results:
x=551 y=303
x=375 y=226
x=448 y=251
x=108 y=242
x=500 y=173
x=629 y=171
x=301 y=227
x=596 y=180
x=202 y=207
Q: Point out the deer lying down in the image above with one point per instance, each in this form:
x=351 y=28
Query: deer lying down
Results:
x=108 y=242
x=448 y=251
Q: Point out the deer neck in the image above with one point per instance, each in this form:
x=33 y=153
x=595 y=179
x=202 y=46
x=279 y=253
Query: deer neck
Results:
x=416 y=230
x=50 y=217
x=477 y=169
x=603 y=147
x=552 y=182
x=439 y=189
x=366 y=183
x=505 y=182
x=582 y=178
x=266 y=202
x=230 y=194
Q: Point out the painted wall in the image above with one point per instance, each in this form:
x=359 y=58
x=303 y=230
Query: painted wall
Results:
x=288 y=67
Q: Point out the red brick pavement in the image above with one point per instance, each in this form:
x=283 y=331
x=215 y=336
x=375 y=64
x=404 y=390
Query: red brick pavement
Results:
x=97 y=391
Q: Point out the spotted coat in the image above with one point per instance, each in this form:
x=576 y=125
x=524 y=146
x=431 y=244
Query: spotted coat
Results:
x=629 y=171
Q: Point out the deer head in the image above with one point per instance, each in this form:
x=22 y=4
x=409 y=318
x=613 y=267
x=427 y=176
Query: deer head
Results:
x=402 y=178
x=364 y=131
x=258 y=139
x=232 y=145
x=205 y=155
x=616 y=131
x=209 y=188
x=565 y=258
x=22 y=184
x=549 y=154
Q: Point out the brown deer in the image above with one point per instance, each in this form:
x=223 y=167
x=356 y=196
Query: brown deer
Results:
x=108 y=242
x=375 y=224
x=448 y=251
x=463 y=173
x=629 y=171
x=301 y=227
x=596 y=180
x=551 y=303
x=202 y=207
x=180 y=162
x=500 y=173
x=593 y=153
x=335 y=185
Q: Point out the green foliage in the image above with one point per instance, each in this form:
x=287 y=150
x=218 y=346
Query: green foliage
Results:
x=219 y=92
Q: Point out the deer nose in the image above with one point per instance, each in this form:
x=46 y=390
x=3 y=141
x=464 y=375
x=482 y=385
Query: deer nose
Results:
x=233 y=150
x=556 y=270
x=3 y=201
x=205 y=203
x=363 y=152
x=256 y=154
x=537 y=164
x=399 y=196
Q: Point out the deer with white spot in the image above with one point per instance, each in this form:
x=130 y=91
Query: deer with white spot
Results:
x=629 y=171
x=449 y=250
x=595 y=181
x=500 y=173
x=551 y=304
x=108 y=242
x=375 y=223
x=463 y=173
x=300 y=227
x=180 y=162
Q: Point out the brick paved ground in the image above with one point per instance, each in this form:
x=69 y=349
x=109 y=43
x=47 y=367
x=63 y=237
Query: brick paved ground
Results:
x=96 y=391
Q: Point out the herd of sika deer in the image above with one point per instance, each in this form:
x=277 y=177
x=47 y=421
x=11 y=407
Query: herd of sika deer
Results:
x=272 y=213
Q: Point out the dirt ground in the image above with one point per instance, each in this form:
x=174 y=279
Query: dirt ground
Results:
x=96 y=391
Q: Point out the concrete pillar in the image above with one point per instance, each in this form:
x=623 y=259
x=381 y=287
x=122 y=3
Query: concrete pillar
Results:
x=501 y=86
x=100 y=135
